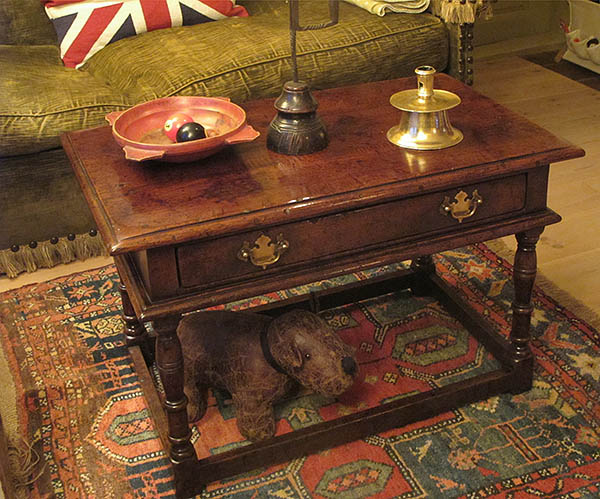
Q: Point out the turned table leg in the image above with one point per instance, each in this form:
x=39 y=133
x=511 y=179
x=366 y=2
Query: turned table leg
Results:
x=169 y=360
x=135 y=332
x=524 y=273
x=422 y=268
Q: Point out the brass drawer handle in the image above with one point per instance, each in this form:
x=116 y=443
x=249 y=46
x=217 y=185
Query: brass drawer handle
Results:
x=263 y=251
x=462 y=207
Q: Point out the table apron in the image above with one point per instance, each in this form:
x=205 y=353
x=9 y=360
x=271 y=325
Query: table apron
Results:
x=148 y=308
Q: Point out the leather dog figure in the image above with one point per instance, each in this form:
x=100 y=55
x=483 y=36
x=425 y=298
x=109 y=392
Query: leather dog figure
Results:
x=259 y=359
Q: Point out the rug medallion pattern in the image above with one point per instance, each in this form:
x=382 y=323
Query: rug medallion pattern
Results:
x=81 y=405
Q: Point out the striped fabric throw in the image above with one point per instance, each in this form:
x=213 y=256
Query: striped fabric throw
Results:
x=84 y=27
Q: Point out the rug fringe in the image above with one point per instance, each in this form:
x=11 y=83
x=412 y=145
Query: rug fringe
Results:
x=47 y=254
x=23 y=461
x=560 y=296
x=568 y=301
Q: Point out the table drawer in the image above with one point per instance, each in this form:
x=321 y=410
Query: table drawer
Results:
x=206 y=263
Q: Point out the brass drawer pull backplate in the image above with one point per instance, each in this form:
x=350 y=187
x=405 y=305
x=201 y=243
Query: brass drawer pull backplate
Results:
x=462 y=207
x=263 y=251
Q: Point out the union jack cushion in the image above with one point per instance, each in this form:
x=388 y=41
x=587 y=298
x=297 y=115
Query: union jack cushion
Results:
x=84 y=27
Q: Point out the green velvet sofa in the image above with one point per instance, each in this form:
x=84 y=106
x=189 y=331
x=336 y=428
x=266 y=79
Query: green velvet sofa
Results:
x=43 y=217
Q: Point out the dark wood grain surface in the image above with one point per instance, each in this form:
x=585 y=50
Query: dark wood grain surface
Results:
x=248 y=185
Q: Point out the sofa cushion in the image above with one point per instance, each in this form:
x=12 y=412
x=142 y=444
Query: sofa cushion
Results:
x=24 y=22
x=84 y=27
x=247 y=58
x=41 y=99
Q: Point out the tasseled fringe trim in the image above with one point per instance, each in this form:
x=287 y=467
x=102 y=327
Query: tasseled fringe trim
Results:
x=47 y=254
x=461 y=11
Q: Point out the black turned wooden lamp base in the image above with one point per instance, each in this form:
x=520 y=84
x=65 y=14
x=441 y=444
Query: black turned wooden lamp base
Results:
x=297 y=128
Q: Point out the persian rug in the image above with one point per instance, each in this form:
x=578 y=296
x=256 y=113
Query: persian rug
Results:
x=73 y=405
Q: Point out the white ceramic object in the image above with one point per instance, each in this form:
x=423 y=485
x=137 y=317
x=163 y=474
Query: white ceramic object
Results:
x=577 y=43
x=594 y=53
x=584 y=26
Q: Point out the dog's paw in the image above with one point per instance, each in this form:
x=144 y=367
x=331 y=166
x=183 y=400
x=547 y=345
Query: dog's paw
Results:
x=258 y=434
x=255 y=427
x=195 y=412
x=197 y=403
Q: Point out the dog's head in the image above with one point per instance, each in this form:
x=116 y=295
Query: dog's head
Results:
x=310 y=351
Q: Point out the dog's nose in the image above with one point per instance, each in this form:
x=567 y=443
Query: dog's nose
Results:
x=348 y=365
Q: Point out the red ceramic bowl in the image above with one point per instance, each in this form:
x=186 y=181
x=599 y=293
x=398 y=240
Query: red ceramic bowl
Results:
x=139 y=130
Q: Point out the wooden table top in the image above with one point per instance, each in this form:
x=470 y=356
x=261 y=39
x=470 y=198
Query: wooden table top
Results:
x=143 y=205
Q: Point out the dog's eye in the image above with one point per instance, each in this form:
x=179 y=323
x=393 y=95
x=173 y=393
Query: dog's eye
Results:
x=307 y=356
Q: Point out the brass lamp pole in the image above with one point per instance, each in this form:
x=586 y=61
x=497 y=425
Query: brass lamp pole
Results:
x=297 y=129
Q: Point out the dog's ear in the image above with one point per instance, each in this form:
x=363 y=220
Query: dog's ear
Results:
x=283 y=346
x=291 y=356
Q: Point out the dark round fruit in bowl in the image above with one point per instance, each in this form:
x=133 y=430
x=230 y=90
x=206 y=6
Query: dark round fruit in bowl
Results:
x=591 y=42
x=190 y=131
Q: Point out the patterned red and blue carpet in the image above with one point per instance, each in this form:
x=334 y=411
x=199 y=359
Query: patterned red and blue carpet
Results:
x=69 y=390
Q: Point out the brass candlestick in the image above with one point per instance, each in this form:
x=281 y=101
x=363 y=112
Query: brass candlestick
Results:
x=424 y=124
x=297 y=128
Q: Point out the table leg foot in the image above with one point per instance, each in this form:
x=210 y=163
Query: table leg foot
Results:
x=522 y=376
x=525 y=269
x=169 y=360
x=422 y=268
x=186 y=480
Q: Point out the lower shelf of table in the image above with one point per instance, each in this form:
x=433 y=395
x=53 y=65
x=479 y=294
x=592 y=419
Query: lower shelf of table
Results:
x=507 y=376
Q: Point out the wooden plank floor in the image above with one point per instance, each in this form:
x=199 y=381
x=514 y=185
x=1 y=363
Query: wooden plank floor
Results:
x=568 y=253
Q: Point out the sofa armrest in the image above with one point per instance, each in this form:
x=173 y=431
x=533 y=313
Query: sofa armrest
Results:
x=460 y=16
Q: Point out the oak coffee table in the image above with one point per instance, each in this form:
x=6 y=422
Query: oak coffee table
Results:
x=248 y=221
